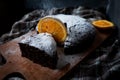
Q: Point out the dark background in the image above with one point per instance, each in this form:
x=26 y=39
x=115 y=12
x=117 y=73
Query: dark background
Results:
x=13 y=10
x=10 y=11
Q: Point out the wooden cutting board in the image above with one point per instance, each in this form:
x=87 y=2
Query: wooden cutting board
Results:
x=32 y=71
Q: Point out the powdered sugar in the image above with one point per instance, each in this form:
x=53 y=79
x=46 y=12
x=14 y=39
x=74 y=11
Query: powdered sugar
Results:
x=70 y=20
x=43 y=41
x=79 y=30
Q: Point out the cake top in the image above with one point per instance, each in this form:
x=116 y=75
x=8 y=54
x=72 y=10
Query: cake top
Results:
x=43 y=41
x=70 y=20
x=77 y=27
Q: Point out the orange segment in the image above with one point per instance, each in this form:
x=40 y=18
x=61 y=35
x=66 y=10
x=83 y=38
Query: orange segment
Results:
x=54 y=27
x=104 y=24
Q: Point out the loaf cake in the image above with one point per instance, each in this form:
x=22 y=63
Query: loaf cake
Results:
x=80 y=37
x=41 y=49
x=80 y=33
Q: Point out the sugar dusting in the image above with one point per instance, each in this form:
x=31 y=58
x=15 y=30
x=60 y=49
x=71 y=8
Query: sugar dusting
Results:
x=43 y=41
x=70 y=20
x=79 y=30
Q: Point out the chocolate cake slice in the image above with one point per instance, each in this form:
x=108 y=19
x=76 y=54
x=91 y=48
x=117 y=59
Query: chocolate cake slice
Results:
x=41 y=49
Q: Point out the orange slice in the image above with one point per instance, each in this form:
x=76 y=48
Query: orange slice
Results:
x=103 y=24
x=54 y=27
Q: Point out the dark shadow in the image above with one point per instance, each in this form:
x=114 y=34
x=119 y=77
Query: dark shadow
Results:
x=10 y=12
x=16 y=75
x=2 y=60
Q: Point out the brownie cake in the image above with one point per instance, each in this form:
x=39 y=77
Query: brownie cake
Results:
x=80 y=32
x=41 y=49
x=81 y=35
